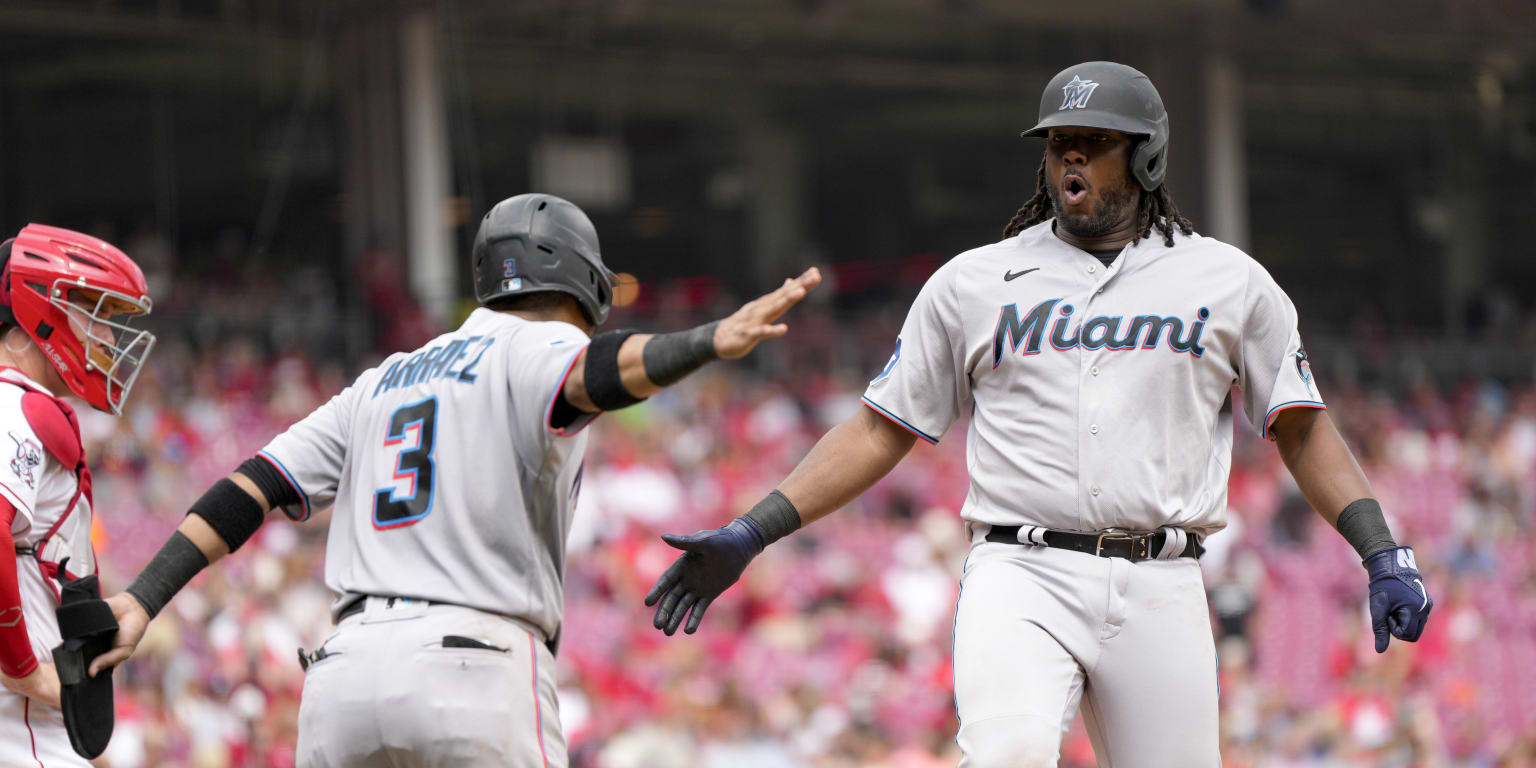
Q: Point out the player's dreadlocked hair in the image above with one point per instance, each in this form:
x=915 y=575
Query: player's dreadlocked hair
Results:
x=1156 y=209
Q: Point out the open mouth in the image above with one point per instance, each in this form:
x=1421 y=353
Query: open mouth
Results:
x=1074 y=189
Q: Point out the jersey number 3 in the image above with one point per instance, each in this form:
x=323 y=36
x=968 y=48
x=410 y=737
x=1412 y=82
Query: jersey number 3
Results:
x=392 y=509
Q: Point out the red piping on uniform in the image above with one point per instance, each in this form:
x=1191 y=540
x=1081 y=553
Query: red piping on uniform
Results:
x=549 y=410
x=26 y=717
x=303 y=497
x=538 y=714
x=898 y=422
x=1269 y=421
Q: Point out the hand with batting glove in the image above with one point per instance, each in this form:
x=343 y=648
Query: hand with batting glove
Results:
x=1400 y=604
x=711 y=562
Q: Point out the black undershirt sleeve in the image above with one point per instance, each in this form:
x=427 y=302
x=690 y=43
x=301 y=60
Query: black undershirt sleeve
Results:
x=270 y=481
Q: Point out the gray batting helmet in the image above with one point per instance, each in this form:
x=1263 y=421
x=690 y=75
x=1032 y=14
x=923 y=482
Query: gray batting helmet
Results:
x=538 y=242
x=1103 y=94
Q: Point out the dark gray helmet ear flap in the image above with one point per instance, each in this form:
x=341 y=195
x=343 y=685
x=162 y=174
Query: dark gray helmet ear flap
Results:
x=536 y=242
x=1149 y=163
x=1103 y=94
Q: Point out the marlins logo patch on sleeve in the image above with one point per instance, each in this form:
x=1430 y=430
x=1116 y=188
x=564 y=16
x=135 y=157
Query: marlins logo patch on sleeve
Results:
x=890 y=364
x=1304 y=369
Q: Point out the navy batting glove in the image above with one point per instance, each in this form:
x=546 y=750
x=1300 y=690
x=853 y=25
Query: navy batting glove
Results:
x=1400 y=604
x=711 y=562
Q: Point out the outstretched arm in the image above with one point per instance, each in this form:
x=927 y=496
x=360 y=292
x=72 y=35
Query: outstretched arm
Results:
x=621 y=368
x=844 y=463
x=847 y=460
x=1331 y=481
x=236 y=505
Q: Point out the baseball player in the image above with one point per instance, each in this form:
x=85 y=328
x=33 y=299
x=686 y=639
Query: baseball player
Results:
x=1095 y=349
x=454 y=471
x=66 y=300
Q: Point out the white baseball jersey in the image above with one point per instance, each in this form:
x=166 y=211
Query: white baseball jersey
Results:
x=1099 y=396
x=449 y=483
x=40 y=488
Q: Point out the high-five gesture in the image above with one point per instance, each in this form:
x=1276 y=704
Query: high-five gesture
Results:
x=621 y=368
x=736 y=335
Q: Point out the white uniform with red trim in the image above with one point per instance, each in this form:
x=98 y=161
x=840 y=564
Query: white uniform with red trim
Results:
x=1100 y=398
x=40 y=488
x=453 y=497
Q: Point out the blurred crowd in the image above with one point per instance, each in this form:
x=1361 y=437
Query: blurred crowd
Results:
x=835 y=649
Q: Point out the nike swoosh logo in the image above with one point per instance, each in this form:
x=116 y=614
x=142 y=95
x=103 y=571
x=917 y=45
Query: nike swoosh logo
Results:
x=1423 y=592
x=1011 y=275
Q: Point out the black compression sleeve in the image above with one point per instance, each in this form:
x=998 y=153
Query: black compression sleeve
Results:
x=671 y=356
x=174 y=565
x=230 y=511
x=604 y=385
x=775 y=516
x=1363 y=526
x=273 y=485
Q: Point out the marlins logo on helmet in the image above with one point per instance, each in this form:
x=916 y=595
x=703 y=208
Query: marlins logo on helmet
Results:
x=1077 y=93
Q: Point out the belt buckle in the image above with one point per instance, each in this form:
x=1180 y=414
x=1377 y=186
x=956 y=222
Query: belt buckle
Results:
x=1098 y=549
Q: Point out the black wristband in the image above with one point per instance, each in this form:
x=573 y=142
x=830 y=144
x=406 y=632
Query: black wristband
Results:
x=671 y=356
x=173 y=566
x=277 y=489
x=604 y=385
x=775 y=516
x=230 y=511
x=1363 y=526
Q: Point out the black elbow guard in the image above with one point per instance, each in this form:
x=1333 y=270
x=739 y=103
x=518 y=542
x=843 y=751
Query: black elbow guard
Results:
x=605 y=387
x=230 y=511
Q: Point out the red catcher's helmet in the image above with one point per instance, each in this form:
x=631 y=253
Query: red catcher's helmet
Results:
x=74 y=295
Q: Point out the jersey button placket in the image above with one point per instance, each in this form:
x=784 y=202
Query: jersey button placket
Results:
x=1100 y=282
x=1093 y=370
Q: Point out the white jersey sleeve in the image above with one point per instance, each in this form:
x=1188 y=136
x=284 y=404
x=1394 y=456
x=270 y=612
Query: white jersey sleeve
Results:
x=924 y=385
x=312 y=452
x=540 y=369
x=1273 y=372
x=22 y=460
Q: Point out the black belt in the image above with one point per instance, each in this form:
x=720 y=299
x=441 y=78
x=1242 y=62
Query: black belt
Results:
x=357 y=606
x=352 y=610
x=1131 y=546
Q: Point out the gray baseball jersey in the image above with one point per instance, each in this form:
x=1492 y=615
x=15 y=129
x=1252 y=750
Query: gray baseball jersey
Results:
x=1099 y=396
x=449 y=483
